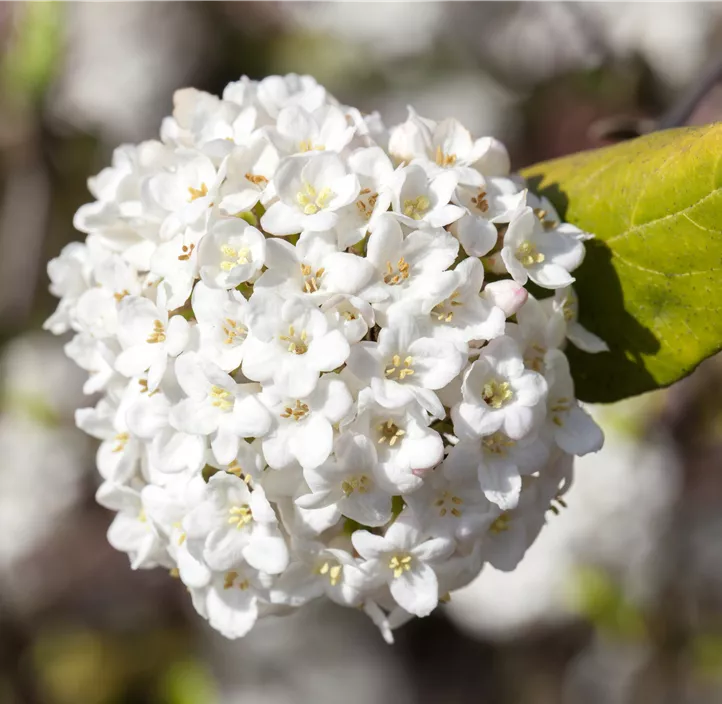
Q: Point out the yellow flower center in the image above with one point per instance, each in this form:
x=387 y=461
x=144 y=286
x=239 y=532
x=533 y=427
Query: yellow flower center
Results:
x=443 y=159
x=397 y=371
x=392 y=277
x=158 y=334
x=230 y=579
x=122 y=440
x=444 y=311
x=298 y=344
x=366 y=203
x=221 y=398
x=333 y=571
x=416 y=208
x=233 y=257
x=497 y=443
x=528 y=254
x=390 y=432
x=448 y=503
x=500 y=524
x=240 y=516
x=306 y=145
x=496 y=393
x=310 y=279
x=480 y=202
x=400 y=564
x=233 y=331
x=311 y=201
x=361 y=484
x=201 y=192
x=299 y=411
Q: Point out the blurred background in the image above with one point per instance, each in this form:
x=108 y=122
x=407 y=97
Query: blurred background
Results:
x=619 y=601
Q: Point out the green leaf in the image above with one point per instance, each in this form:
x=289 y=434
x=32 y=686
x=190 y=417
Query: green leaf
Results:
x=651 y=284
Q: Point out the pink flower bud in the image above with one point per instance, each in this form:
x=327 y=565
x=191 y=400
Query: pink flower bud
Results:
x=507 y=295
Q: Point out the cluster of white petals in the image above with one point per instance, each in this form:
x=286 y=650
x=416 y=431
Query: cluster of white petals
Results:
x=319 y=369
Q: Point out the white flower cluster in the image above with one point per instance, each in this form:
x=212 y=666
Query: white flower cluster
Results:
x=307 y=386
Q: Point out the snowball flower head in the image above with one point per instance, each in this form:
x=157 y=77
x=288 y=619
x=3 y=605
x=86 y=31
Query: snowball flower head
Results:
x=321 y=373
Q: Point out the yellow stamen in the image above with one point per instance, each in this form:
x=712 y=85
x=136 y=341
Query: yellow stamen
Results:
x=299 y=411
x=240 y=516
x=400 y=564
x=221 y=398
x=496 y=393
x=392 y=278
x=390 y=432
x=443 y=159
x=416 y=208
x=201 y=192
x=528 y=254
x=158 y=334
x=312 y=201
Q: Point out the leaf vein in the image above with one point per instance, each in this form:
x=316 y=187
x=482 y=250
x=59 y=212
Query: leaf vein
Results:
x=644 y=225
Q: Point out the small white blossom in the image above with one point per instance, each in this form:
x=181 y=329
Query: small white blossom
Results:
x=404 y=560
x=233 y=525
x=546 y=256
x=349 y=483
x=500 y=394
x=231 y=253
x=310 y=189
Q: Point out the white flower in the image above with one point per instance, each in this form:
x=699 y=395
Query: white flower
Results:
x=182 y=195
x=419 y=201
x=231 y=253
x=311 y=189
x=249 y=170
x=375 y=173
x=314 y=268
x=406 y=447
x=450 y=509
x=573 y=428
x=302 y=428
x=495 y=200
x=148 y=337
x=221 y=324
x=291 y=344
x=404 y=264
x=166 y=508
x=70 y=277
x=278 y=92
x=352 y=315
x=230 y=602
x=454 y=309
x=498 y=463
x=546 y=256
x=448 y=146
x=217 y=406
x=233 y=525
x=130 y=531
x=536 y=333
x=300 y=131
x=403 y=366
x=119 y=452
x=565 y=305
x=349 y=483
x=320 y=570
x=404 y=560
x=176 y=263
x=499 y=394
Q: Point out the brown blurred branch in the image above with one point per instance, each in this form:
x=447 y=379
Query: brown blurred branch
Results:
x=679 y=113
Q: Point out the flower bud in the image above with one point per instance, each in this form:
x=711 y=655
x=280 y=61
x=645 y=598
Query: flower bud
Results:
x=507 y=295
